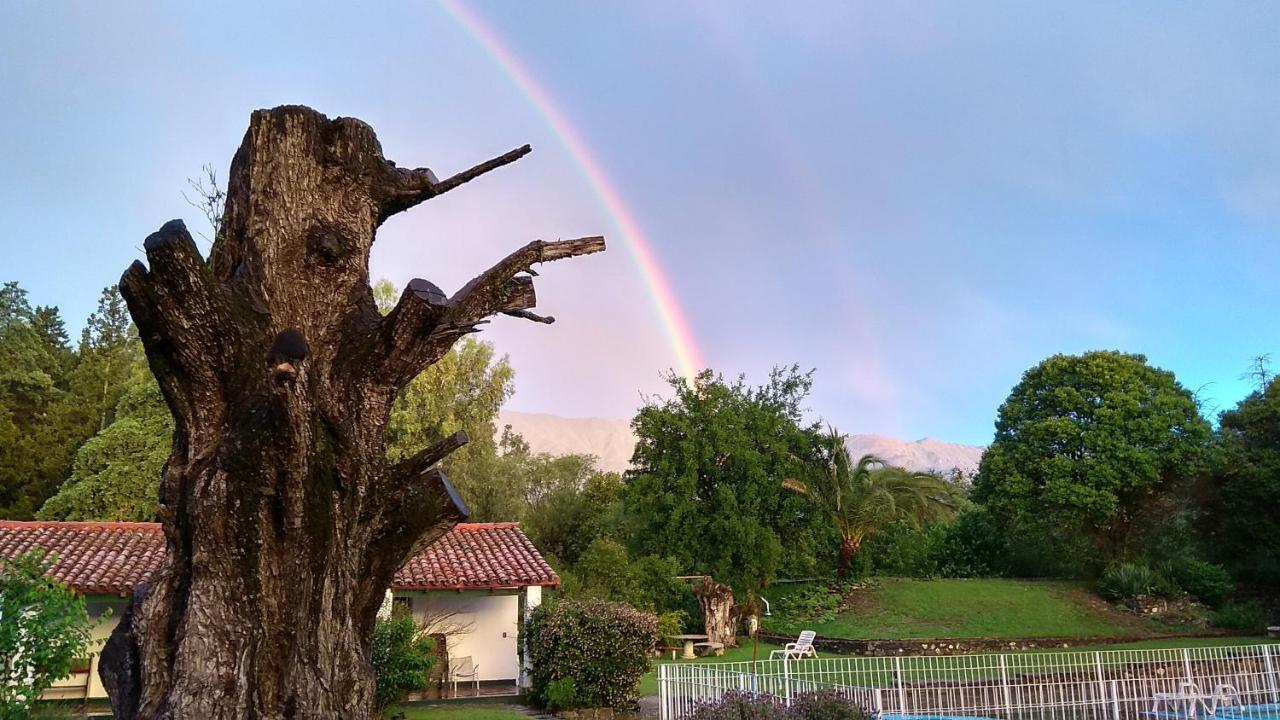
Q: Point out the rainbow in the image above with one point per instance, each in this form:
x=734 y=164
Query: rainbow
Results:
x=676 y=326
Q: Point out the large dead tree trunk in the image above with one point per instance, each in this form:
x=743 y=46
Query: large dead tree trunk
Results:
x=283 y=520
x=719 y=615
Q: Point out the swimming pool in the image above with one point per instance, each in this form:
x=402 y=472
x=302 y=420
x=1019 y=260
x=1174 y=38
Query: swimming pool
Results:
x=1266 y=711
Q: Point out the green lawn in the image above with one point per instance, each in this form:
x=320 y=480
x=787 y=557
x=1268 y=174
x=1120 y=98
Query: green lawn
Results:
x=901 y=609
x=460 y=712
x=962 y=667
x=649 y=685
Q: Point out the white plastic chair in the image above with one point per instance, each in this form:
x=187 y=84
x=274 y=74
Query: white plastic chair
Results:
x=463 y=668
x=802 y=647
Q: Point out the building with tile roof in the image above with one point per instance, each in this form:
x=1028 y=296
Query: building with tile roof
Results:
x=479 y=580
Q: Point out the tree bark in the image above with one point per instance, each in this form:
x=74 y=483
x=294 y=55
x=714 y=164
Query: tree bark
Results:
x=848 y=548
x=284 y=523
x=719 y=615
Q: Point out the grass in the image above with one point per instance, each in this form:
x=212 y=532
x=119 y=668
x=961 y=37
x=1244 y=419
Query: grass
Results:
x=459 y=712
x=649 y=684
x=964 y=667
x=927 y=609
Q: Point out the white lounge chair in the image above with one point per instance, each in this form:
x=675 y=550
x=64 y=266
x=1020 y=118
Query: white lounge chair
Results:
x=1191 y=702
x=463 y=668
x=802 y=647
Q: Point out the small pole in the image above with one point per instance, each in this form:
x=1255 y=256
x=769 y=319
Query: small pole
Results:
x=1004 y=683
x=786 y=679
x=902 y=690
x=1102 y=684
x=664 y=694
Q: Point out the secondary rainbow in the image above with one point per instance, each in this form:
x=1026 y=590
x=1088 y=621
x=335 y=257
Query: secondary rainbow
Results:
x=688 y=359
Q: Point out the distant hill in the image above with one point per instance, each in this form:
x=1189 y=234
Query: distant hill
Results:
x=924 y=454
x=612 y=442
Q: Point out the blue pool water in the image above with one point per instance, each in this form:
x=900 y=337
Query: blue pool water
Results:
x=1269 y=711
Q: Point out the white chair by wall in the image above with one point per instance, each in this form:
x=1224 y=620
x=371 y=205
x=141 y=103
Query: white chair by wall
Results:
x=802 y=647
x=464 y=668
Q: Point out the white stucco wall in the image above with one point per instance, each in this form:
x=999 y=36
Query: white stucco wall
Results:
x=102 y=624
x=493 y=623
x=493 y=619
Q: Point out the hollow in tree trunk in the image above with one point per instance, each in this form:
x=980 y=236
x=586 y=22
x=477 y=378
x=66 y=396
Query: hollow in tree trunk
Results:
x=719 y=615
x=284 y=523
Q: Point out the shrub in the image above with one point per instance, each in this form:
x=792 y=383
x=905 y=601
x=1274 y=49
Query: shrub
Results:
x=826 y=706
x=972 y=546
x=1209 y=583
x=562 y=694
x=739 y=706
x=1244 y=616
x=1128 y=581
x=402 y=657
x=603 y=646
x=805 y=706
x=812 y=604
x=45 y=629
x=671 y=623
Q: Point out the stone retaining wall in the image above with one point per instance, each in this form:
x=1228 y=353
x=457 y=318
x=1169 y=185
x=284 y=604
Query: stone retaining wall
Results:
x=963 y=646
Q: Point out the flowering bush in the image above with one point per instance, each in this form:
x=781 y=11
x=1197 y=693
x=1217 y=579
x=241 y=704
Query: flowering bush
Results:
x=805 y=706
x=604 y=647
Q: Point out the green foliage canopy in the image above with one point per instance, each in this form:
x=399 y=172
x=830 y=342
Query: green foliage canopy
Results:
x=43 y=629
x=706 y=488
x=51 y=398
x=1091 y=446
x=1242 y=523
x=116 y=473
x=863 y=499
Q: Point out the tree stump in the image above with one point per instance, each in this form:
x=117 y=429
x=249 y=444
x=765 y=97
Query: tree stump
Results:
x=284 y=522
x=719 y=614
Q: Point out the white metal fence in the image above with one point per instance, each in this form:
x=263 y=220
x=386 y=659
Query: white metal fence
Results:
x=1236 y=682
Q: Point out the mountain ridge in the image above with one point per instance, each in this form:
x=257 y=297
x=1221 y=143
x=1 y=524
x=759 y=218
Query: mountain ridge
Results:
x=612 y=441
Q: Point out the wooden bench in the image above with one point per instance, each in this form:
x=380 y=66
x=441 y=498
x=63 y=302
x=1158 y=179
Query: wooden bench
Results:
x=710 y=647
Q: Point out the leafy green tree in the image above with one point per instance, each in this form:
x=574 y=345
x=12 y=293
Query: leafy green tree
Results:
x=564 y=520
x=863 y=499
x=116 y=473
x=109 y=351
x=1092 y=446
x=706 y=485
x=43 y=629
x=1243 y=527
x=38 y=423
x=402 y=656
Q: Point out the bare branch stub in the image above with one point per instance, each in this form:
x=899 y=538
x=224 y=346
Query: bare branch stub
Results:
x=422 y=327
x=411 y=187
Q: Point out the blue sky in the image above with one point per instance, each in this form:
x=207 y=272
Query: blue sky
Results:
x=918 y=201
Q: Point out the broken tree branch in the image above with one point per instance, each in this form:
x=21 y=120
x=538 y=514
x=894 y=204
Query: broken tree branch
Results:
x=423 y=325
x=411 y=187
x=526 y=315
x=492 y=291
x=409 y=469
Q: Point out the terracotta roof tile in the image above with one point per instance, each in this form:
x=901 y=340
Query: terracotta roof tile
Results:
x=477 y=555
x=110 y=558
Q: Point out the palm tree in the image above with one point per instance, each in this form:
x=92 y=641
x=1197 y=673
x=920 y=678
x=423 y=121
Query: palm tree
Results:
x=863 y=499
